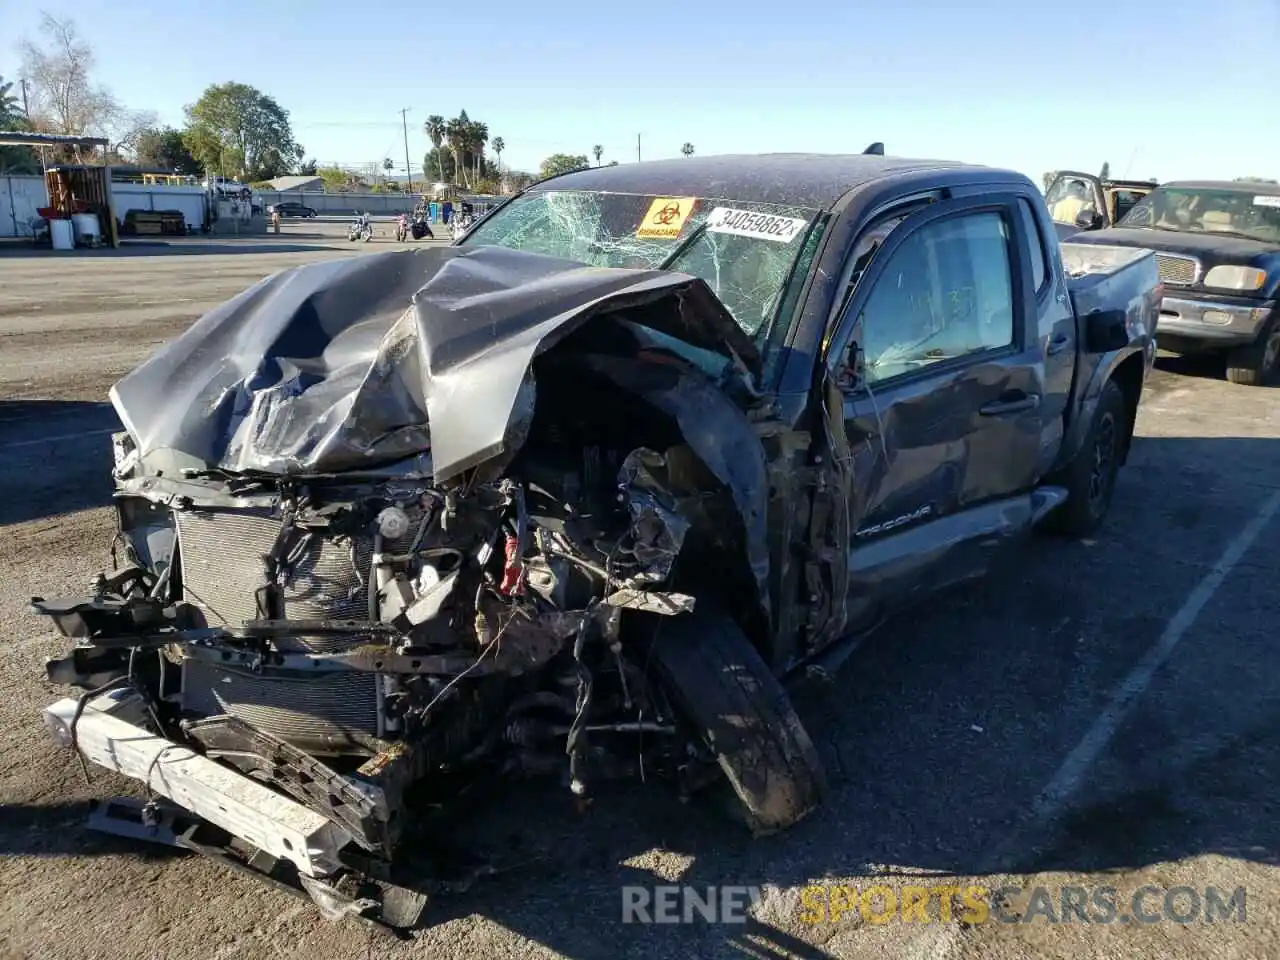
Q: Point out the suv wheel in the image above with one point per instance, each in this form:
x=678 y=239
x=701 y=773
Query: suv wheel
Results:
x=732 y=702
x=1257 y=365
x=1090 y=478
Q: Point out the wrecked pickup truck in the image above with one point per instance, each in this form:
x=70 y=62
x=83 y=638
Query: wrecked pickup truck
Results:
x=578 y=496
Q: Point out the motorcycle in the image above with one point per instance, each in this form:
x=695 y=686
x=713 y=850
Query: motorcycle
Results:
x=361 y=229
x=402 y=228
x=421 y=228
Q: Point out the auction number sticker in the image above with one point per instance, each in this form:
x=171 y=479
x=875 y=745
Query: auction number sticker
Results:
x=1265 y=201
x=747 y=223
x=665 y=218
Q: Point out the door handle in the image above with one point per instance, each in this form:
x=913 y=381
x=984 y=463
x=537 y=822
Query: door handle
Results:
x=1015 y=401
x=1057 y=344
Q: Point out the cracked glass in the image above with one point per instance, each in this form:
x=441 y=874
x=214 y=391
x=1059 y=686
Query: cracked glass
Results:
x=747 y=269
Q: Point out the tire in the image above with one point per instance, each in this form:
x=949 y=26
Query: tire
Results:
x=1257 y=365
x=731 y=700
x=1090 y=478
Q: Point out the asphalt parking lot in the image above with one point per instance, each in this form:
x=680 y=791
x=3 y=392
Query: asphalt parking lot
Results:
x=1104 y=713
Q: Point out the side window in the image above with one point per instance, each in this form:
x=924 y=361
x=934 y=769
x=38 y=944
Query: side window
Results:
x=946 y=292
x=1039 y=265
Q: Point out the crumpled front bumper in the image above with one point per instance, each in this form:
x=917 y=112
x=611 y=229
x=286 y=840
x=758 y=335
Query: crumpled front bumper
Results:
x=108 y=732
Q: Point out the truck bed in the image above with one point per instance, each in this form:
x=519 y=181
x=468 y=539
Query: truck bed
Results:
x=1103 y=277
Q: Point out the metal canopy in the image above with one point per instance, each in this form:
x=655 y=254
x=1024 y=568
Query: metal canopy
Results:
x=25 y=138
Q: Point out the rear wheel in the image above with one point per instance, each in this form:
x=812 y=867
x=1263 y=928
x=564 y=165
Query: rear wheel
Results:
x=1090 y=478
x=1257 y=365
x=735 y=705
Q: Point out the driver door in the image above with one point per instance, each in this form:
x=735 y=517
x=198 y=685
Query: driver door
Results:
x=941 y=379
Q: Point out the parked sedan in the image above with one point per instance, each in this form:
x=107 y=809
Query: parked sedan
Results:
x=291 y=208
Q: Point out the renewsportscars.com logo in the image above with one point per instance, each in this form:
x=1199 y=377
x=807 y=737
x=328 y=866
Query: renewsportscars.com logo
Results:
x=941 y=903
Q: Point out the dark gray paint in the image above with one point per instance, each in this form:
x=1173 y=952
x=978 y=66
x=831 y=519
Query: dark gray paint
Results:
x=341 y=365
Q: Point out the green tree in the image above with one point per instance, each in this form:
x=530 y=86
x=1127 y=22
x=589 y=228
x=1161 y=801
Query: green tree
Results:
x=559 y=163
x=435 y=129
x=237 y=129
x=455 y=135
x=10 y=108
x=687 y=149
x=1106 y=172
x=164 y=149
x=307 y=169
x=477 y=137
x=498 y=146
x=440 y=159
x=1254 y=180
x=335 y=178
x=14 y=159
x=597 y=151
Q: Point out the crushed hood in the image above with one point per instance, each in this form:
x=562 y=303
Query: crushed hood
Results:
x=358 y=363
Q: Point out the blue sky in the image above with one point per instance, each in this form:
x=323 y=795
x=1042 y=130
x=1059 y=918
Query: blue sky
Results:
x=1029 y=85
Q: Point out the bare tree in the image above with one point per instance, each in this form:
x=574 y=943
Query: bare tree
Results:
x=64 y=98
x=128 y=128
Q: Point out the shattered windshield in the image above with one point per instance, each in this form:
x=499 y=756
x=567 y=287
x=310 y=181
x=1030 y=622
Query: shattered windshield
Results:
x=744 y=251
x=1240 y=212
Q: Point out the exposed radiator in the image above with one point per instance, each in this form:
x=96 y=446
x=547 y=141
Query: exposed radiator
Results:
x=221 y=555
x=314 y=714
x=222 y=568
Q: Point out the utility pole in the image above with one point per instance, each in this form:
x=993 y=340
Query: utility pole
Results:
x=637 y=148
x=408 y=170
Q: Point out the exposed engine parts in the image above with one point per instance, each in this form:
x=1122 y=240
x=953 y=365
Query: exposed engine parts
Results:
x=344 y=644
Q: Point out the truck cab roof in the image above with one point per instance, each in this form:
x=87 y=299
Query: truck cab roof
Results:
x=815 y=180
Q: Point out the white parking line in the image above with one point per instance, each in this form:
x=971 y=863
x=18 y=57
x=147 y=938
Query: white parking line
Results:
x=62 y=436
x=943 y=943
x=1070 y=775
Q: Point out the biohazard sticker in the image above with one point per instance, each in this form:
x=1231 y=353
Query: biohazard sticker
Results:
x=1265 y=201
x=665 y=218
x=747 y=223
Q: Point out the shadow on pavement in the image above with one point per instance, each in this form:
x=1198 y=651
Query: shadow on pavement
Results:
x=57 y=830
x=1200 y=366
x=57 y=457
x=940 y=733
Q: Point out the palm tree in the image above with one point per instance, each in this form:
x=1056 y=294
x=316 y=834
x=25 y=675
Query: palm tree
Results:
x=498 y=147
x=455 y=134
x=479 y=137
x=599 y=152
x=387 y=167
x=434 y=128
x=687 y=150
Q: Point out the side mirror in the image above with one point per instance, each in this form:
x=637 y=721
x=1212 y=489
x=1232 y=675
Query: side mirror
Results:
x=1088 y=220
x=1106 y=330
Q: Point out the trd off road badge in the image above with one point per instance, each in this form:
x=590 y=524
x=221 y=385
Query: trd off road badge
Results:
x=748 y=223
x=665 y=218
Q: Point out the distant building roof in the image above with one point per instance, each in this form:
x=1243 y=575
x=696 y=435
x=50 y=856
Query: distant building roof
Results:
x=295 y=183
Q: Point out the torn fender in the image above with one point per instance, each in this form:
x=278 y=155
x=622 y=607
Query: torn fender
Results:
x=369 y=362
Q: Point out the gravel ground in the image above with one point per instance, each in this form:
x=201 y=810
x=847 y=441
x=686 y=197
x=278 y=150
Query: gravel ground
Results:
x=1102 y=713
